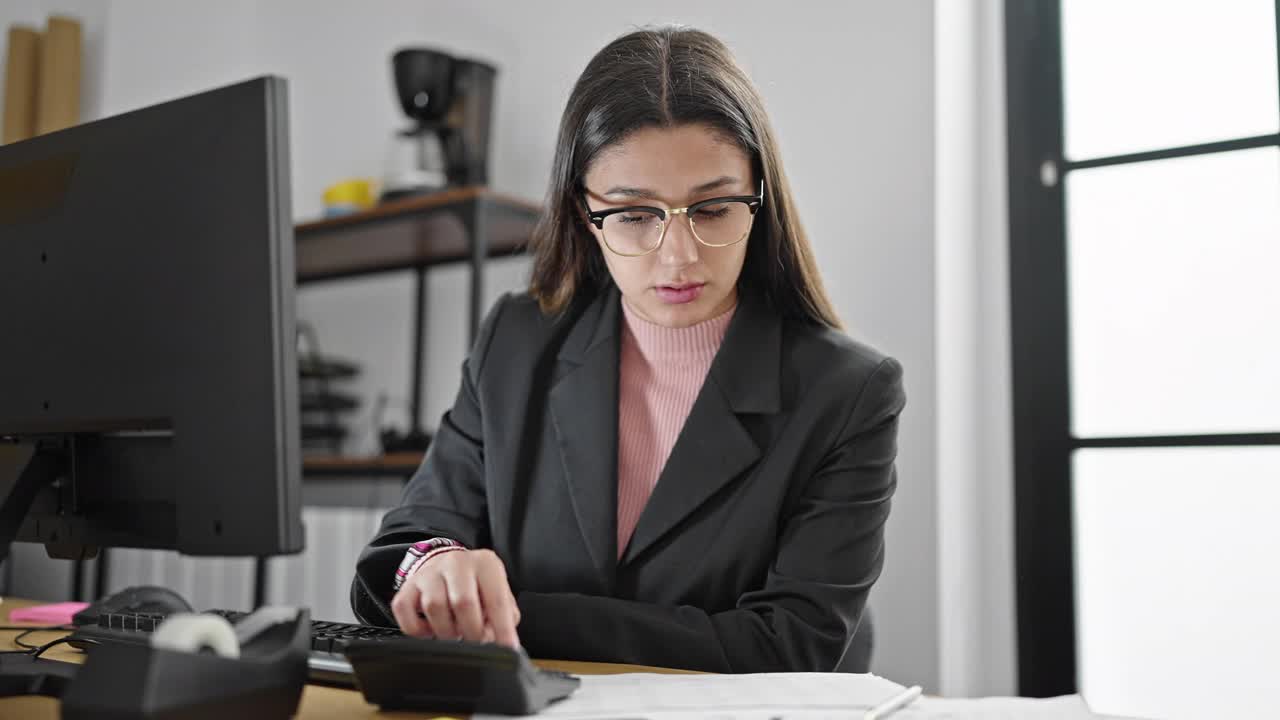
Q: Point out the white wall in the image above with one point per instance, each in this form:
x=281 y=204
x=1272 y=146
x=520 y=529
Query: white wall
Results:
x=975 y=478
x=851 y=90
x=156 y=50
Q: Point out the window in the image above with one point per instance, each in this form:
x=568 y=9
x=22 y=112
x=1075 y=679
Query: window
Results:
x=1144 y=208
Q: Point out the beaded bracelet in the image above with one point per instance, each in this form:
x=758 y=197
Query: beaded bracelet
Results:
x=419 y=553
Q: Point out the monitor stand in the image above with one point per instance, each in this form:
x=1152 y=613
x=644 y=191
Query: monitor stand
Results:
x=40 y=464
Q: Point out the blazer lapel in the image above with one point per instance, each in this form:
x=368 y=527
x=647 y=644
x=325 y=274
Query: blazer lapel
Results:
x=584 y=410
x=713 y=446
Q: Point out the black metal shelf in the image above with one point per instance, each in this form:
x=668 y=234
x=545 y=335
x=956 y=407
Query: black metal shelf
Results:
x=469 y=224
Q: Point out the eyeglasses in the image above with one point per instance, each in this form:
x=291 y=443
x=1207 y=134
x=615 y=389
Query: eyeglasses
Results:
x=638 y=230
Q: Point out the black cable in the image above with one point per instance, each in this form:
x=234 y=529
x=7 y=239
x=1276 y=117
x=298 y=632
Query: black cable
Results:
x=25 y=630
x=40 y=650
x=18 y=640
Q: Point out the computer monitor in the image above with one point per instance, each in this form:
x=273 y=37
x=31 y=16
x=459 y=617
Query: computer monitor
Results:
x=148 y=377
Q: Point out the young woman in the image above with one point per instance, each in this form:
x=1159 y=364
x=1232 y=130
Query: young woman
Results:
x=666 y=452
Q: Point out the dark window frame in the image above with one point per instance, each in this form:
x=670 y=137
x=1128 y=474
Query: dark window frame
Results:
x=1043 y=443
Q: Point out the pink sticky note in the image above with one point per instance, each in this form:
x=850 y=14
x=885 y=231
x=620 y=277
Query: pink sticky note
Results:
x=54 y=614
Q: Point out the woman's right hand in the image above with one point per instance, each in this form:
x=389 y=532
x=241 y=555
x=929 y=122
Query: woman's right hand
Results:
x=462 y=594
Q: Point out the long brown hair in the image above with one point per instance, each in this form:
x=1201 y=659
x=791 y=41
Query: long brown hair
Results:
x=665 y=77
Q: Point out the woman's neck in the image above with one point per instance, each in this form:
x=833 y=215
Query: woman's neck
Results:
x=697 y=342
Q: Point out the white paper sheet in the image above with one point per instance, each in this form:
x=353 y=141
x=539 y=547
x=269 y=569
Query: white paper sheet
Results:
x=781 y=696
x=646 y=695
x=1067 y=707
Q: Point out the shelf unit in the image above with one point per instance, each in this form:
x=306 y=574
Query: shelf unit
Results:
x=401 y=464
x=470 y=224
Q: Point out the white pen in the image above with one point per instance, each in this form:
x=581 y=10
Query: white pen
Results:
x=893 y=704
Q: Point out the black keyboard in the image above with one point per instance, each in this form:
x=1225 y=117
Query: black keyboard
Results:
x=327 y=664
x=325 y=636
x=398 y=672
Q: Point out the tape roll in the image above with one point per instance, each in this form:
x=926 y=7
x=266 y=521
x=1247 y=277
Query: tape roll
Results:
x=188 y=632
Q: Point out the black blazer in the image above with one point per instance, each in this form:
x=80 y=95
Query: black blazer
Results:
x=760 y=542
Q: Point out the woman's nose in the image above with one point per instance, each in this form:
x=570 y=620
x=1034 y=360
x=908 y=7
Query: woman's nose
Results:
x=679 y=247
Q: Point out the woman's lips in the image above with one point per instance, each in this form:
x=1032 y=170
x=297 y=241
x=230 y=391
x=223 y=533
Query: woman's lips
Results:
x=679 y=294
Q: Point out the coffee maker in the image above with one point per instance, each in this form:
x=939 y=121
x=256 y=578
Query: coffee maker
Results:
x=450 y=101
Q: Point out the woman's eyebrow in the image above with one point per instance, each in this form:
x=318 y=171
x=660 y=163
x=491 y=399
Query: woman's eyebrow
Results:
x=635 y=192
x=632 y=192
x=719 y=182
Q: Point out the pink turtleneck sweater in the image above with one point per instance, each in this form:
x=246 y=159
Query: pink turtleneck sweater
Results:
x=660 y=371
